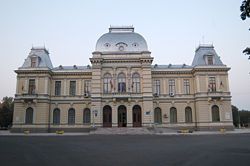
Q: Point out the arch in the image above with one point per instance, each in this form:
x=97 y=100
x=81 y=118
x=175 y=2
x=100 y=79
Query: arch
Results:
x=215 y=114
x=173 y=115
x=136 y=88
x=107 y=83
x=29 y=116
x=157 y=116
x=136 y=116
x=188 y=115
x=71 y=116
x=86 y=115
x=56 y=116
x=107 y=116
x=122 y=116
x=121 y=79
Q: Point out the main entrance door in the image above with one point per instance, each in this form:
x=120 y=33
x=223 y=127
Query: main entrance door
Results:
x=136 y=116
x=122 y=116
x=107 y=116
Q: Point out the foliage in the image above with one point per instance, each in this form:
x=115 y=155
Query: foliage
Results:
x=245 y=13
x=245 y=9
x=235 y=112
x=6 y=112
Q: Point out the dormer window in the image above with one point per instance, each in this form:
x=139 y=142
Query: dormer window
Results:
x=209 y=60
x=33 y=61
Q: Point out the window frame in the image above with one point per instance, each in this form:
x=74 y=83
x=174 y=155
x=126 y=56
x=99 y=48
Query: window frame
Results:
x=72 y=88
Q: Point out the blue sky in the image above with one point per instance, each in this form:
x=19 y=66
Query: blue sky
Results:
x=173 y=29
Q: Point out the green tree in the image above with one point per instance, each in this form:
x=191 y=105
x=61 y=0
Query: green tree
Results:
x=245 y=13
x=6 y=112
x=235 y=112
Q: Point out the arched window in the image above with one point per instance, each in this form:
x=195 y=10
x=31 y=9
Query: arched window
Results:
x=173 y=115
x=86 y=115
x=121 y=82
x=136 y=83
x=56 y=116
x=71 y=116
x=29 y=116
x=215 y=114
x=107 y=83
x=157 y=115
x=188 y=115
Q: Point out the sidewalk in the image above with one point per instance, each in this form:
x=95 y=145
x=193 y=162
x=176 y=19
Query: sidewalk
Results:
x=165 y=132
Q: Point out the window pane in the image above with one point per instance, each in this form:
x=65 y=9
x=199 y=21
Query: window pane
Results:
x=29 y=116
x=212 y=84
x=171 y=86
x=71 y=116
x=72 y=88
x=86 y=115
x=58 y=88
x=186 y=86
x=56 y=116
x=87 y=85
x=32 y=86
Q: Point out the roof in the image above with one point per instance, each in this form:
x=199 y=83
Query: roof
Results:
x=43 y=58
x=121 y=39
x=71 y=68
x=201 y=52
x=170 y=66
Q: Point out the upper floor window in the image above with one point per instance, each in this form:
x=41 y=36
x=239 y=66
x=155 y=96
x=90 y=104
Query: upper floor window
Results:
x=107 y=83
x=87 y=84
x=136 y=83
x=33 y=61
x=171 y=84
x=57 y=88
x=157 y=87
x=212 y=84
x=209 y=60
x=121 y=82
x=72 y=88
x=32 y=86
x=186 y=86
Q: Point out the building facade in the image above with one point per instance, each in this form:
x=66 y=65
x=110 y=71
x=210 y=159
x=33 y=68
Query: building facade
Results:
x=122 y=88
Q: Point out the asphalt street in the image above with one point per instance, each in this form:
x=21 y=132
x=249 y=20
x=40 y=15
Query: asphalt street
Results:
x=119 y=150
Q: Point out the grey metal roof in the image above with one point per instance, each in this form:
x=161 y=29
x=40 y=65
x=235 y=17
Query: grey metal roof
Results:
x=170 y=66
x=69 y=68
x=201 y=52
x=121 y=36
x=42 y=54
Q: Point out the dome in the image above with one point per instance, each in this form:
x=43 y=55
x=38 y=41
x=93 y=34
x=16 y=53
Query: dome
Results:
x=121 y=39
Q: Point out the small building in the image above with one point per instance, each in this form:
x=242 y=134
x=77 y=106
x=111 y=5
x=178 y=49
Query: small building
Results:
x=121 y=88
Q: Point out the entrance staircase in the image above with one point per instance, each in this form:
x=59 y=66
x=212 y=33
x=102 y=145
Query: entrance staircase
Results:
x=121 y=131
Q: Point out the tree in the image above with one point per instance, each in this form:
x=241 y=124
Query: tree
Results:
x=245 y=13
x=235 y=112
x=6 y=112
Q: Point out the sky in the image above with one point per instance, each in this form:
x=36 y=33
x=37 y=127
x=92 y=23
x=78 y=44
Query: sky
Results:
x=172 y=29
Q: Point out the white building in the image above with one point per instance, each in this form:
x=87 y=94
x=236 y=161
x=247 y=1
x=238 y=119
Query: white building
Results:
x=122 y=89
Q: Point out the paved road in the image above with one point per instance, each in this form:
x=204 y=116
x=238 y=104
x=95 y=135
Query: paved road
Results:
x=204 y=150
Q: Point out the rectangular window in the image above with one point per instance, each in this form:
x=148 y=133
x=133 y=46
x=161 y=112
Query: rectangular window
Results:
x=57 y=88
x=210 y=60
x=33 y=62
x=171 y=84
x=121 y=87
x=32 y=86
x=157 y=87
x=72 y=88
x=186 y=86
x=212 y=84
x=87 y=85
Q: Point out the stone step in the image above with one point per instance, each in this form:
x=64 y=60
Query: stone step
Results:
x=121 y=131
